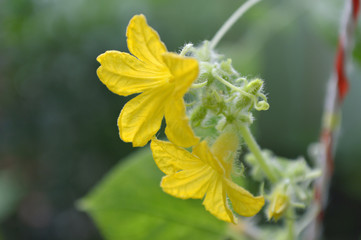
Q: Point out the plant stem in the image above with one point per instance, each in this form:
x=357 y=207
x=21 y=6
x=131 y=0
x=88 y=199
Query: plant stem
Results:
x=290 y=221
x=199 y=85
x=231 y=86
x=231 y=20
x=255 y=149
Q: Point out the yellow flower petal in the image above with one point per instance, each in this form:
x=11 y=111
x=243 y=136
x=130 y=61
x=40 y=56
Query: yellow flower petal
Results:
x=243 y=202
x=142 y=116
x=192 y=183
x=226 y=144
x=216 y=202
x=278 y=205
x=204 y=153
x=124 y=74
x=184 y=70
x=170 y=158
x=144 y=42
x=225 y=148
x=178 y=129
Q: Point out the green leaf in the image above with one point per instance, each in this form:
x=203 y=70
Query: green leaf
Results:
x=129 y=204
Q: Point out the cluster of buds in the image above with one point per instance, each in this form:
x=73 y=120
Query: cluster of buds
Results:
x=221 y=96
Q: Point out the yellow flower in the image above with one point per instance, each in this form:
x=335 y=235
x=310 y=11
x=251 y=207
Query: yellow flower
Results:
x=161 y=77
x=204 y=173
x=279 y=202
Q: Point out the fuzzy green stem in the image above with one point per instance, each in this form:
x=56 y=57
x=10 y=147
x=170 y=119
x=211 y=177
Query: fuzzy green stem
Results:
x=255 y=149
x=231 y=86
x=199 y=85
x=231 y=20
x=186 y=49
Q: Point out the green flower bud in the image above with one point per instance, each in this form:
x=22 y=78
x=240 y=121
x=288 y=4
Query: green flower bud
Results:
x=279 y=203
x=226 y=66
x=254 y=86
x=214 y=101
x=198 y=115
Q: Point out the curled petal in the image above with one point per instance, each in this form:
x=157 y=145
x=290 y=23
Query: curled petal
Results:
x=243 y=202
x=123 y=74
x=216 y=202
x=184 y=70
x=225 y=148
x=142 y=116
x=226 y=144
x=170 y=158
x=178 y=129
x=144 y=42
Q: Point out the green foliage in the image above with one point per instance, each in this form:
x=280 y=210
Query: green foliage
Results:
x=10 y=193
x=129 y=204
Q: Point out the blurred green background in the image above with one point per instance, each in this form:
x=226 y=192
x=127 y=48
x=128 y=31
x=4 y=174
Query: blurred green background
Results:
x=58 y=133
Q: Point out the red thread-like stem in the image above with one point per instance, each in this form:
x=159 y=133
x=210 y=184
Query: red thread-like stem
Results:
x=337 y=91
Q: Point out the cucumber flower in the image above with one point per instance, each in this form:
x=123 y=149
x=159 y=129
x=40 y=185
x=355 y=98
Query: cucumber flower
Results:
x=279 y=203
x=162 y=78
x=205 y=173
